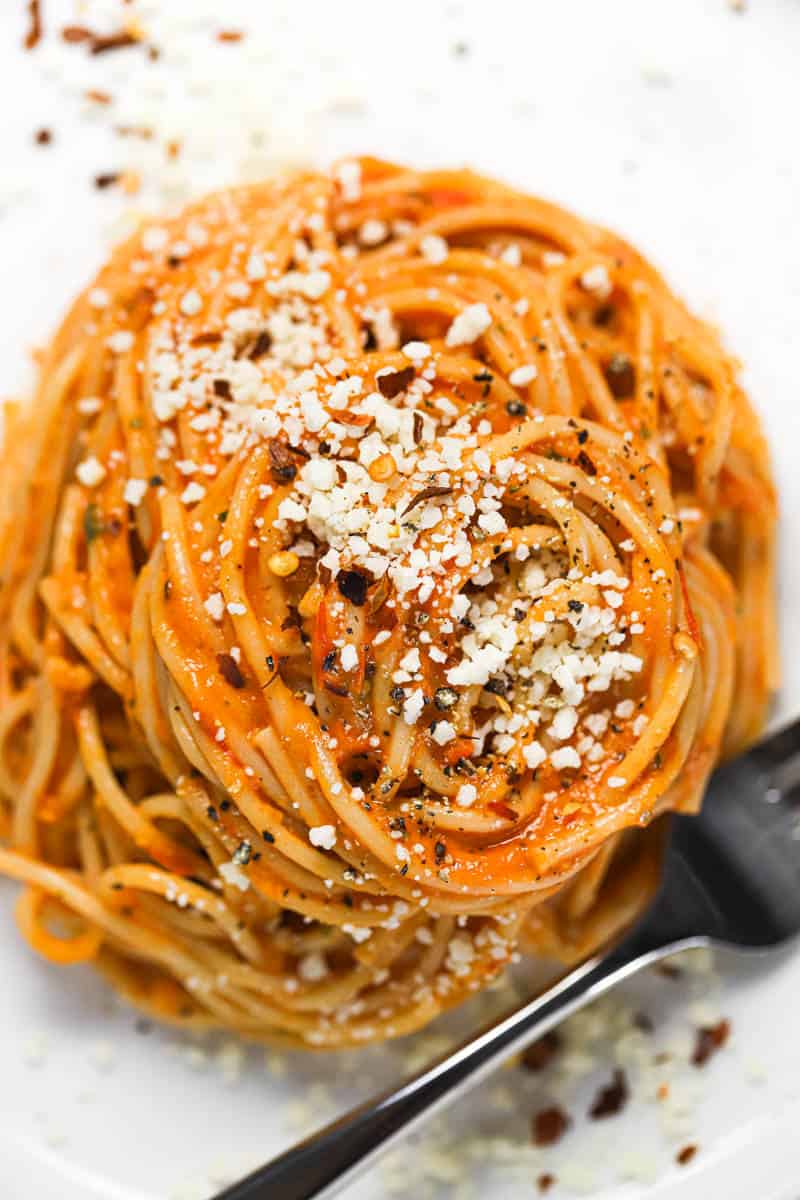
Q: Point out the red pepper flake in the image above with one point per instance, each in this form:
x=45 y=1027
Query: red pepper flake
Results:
x=255 y=347
x=585 y=463
x=230 y=35
x=74 y=34
x=377 y=596
x=35 y=30
x=292 y=621
x=98 y=97
x=394 y=382
x=710 y=1038
x=542 y=1052
x=685 y=1154
x=612 y=1098
x=282 y=464
x=43 y=137
x=549 y=1126
x=101 y=44
x=545 y=1182
x=428 y=493
x=353 y=586
x=229 y=670
x=107 y=179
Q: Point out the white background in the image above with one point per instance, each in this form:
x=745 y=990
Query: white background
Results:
x=673 y=121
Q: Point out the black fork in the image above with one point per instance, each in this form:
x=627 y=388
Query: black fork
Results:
x=731 y=877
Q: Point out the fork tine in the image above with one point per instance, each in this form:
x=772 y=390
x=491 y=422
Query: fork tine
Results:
x=744 y=844
x=779 y=756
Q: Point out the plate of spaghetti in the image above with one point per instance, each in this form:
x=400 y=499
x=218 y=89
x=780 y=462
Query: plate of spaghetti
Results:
x=376 y=572
x=384 y=551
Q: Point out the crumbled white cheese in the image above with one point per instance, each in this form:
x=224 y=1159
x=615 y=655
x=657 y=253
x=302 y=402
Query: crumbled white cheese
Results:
x=443 y=732
x=563 y=724
x=372 y=232
x=433 y=248
x=312 y=967
x=521 y=376
x=565 y=757
x=473 y=321
x=120 y=342
x=233 y=874
x=597 y=280
x=348 y=176
x=349 y=657
x=191 y=303
x=90 y=472
x=323 y=836
x=413 y=706
x=416 y=351
x=192 y=493
x=410 y=660
x=511 y=255
x=215 y=606
x=534 y=755
x=134 y=491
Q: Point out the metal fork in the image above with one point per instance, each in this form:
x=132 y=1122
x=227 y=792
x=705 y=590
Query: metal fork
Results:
x=731 y=877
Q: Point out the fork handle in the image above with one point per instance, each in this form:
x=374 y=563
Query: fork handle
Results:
x=325 y=1163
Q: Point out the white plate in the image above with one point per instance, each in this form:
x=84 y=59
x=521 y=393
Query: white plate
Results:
x=671 y=122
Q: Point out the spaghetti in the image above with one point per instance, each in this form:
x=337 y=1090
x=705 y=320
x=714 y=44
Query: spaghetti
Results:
x=381 y=552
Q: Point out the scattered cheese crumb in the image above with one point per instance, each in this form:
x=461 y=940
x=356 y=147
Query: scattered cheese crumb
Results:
x=90 y=472
x=233 y=874
x=597 y=280
x=521 y=376
x=191 y=303
x=468 y=325
x=215 y=606
x=323 y=836
x=134 y=491
x=433 y=248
